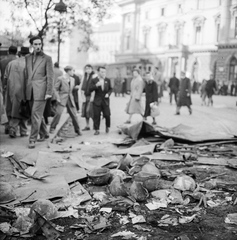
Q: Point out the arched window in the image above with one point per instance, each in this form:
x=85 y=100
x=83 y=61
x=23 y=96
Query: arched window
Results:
x=233 y=69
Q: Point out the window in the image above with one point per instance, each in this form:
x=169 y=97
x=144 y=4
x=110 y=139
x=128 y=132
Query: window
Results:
x=198 y=34
x=235 y=27
x=233 y=69
x=128 y=17
x=127 y=42
x=217 y=32
x=145 y=34
x=161 y=38
x=179 y=8
x=162 y=11
x=178 y=37
x=146 y=14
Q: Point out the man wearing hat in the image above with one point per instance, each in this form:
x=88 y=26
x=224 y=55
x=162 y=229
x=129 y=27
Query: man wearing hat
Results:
x=15 y=79
x=64 y=94
x=39 y=88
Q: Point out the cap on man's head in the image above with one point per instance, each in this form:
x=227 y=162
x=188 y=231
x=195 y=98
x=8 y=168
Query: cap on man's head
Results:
x=24 y=50
x=68 y=68
x=35 y=38
x=12 y=49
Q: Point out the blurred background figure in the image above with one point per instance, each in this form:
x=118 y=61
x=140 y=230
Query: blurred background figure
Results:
x=174 y=88
x=210 y=89
x=203 y=93
x=75 y=90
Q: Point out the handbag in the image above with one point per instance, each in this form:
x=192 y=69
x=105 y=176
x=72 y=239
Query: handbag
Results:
x=154 y=110
x=25 y=109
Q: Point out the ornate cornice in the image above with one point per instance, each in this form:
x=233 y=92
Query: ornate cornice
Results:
x=226 y=46
x=199 y=20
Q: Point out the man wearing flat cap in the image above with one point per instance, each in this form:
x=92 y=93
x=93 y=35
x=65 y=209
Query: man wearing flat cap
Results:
x=39 y=88
x=64 y=94
x=15 y=78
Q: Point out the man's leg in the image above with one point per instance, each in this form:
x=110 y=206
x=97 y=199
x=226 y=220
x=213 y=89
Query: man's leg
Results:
x=36 y=119
x=96 y=118
x=171 y=97
x=13 y=125
x=73 y=114
x=23 y=127
x=57 y=116
x=106 y=114
x=175 y=97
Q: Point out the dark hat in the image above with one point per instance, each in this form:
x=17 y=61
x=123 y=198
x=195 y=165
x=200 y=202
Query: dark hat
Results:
x=24 y=50
x=68 y=68
x=34 y=38
x=12 y=49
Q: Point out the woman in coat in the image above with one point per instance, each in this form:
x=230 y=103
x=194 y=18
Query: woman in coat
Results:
x=151 y=96
x=134 y=105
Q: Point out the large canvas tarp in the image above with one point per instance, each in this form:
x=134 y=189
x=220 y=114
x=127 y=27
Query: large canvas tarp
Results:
x=181 y=133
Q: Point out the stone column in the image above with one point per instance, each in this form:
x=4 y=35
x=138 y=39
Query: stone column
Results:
x=225 y=20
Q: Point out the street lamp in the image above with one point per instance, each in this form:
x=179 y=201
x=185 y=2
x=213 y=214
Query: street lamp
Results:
x=60 y=7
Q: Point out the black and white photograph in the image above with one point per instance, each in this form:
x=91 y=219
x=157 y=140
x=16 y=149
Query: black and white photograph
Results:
x=118 y=119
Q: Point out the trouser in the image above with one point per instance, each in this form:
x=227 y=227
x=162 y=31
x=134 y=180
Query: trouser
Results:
x=38 y=125
x=189 y=108
x=175 y=96
x=77 y=106
x=104 y=108
x=15 y=122
x=72 y=112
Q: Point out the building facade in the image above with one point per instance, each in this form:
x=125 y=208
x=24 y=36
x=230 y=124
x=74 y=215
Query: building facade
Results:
x=196 y=36
x=107 y=41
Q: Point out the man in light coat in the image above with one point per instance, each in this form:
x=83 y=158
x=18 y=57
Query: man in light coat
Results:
x=15 y=79
x=39 y=88
x=64 y=87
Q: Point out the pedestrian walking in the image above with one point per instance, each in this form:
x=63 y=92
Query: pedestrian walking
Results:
x=203 y=93
x=64 y=88
x=184 y=95
x=12 y=51
x=87 y=96
x=39 y=88
x=15 y=79
x=117 y=85
x=210 y=89
x=75 y=90
x=151 y=96
x=102 y=87
x=174 y=88
x=159 y=82
x=134 y=105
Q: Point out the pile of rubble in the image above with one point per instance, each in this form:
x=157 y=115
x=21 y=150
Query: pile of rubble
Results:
x=129 y=191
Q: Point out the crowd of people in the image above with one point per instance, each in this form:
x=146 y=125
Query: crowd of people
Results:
x=32 y=89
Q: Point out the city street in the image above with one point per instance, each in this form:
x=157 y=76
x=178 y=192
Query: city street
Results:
x=223 y=115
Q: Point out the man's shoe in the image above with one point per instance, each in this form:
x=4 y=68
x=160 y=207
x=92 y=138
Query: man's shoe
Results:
x=107 y=130
x=96 y=132
x=31 y=145
x=86 y=129
x=24 y=134
x=12 y=134
x=42 y=138
x=78 y=133
x=177 y=113
x=154 y=123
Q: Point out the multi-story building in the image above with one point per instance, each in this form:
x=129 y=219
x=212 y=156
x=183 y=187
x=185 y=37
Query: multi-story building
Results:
x=107 y=41
x=196 y=36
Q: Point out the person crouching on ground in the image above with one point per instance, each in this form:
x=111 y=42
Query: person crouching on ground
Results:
x=64 y=87
x=151 y=95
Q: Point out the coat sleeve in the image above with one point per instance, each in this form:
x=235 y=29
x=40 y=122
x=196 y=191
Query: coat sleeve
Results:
x=93 y=86
x=155 y=92
x=57 y=87
x=50 y=76
x=139 y=89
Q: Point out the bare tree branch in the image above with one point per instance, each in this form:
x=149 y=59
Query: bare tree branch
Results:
x=26 y=6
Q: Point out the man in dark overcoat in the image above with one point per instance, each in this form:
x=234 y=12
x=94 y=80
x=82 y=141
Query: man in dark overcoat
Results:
x=210 y=89
x=39 y=88
x=15 y=79
x=102 y=87
x=184 y=95
x=174 y=88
